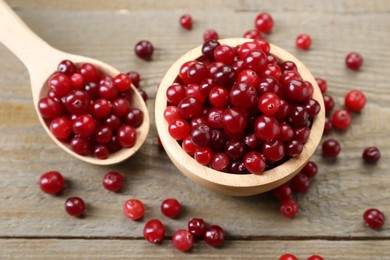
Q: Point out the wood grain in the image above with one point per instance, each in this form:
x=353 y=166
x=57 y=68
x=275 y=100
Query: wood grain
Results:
x=333 y=206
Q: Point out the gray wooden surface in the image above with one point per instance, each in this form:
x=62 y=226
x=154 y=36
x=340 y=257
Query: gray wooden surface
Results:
x=35 y=225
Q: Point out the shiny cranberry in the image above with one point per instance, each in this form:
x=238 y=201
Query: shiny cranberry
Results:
x=283 y=192
x=182 y=240
x=220 y=162
x=193 y=90
x=355 y=100
x=341 y=119
x=300 y=183
x=330 y=148
x=84 y=125
x=112 y=122
x=154 y=231
x=134 y=118
x=269 y=103
x=313 y=107
x=75 y=206
x=301 y=133
x=203 y=155
x=175 y=93
x=113 y=181
x=183 y=72
x=126 y=136
x=179 y=129
x=67 y=67
x=214 y=117
x=322 y=84
x=267 y=128
x=270 y=84
x=77 y=81
x=214 y=236
x=61 y=127
x=210 y=34
x=294 y=148
x=209 y=47
x=188 y=146
x=288 y=208
x=101 y=108
x=288 y=257
x=315 y=257
x=329 y=103
x=107 y=90
x=328 y=126
x=225 y=54
x=270 y=70
x=255 y=60
x=51 y=182
x=122 y=82
x=264 y=22
x=254 y=162
x=296 y=91
x=252 y=34
x=354 y=60
x=198 y=120
x=310 y=169
x=235 y=149
x=288 y=66
x=219 y=97
x=286 y=133
x=243 y=96
x=196 y=226
x=225 y=76
x=78 y=102
x=144 y=49
x=244 y=49
x=170 y=208
x=252 y=142
x=233 y=121
x=80 y=145
x=135 y=78
x=197 y=72
x=272 y=59
x=133 y=209
x=89 y=72
x=218 y=140
x=101 y=151
x=299 y=115
x=206 y=86
x=190 y=107
x=374 y=218
x=186 y=21
x=59 y=84
x=273 y=150
x=303 y=41
x=237 y=167
x=248 y=76
x=92 y=90
x=200 y=135
x=371 y=155
x=49 y=107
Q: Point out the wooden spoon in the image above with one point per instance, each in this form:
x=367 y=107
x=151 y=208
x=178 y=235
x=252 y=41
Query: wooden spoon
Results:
x=235 y=184
x=41 y=60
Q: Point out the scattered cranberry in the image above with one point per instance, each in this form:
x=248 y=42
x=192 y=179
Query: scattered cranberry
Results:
x=354 y=60
x=283 y=192
x=300 y=183
x=310 y=169
x=196 y=226
x=322 y=84
x=214 y=236
x=328 y=126
x=144 y=50
x=75 y=206
x=288 y=208
x=355 y=100
x=170 y=208
x=331 y=148
x=341 y=119
x=113 y=181
x=51 y=182
x=371 y=155
x=210 y=34
x=186 y=21
x=288 y=257
x=133 y=209
x=154 y=231
x=374 y=218
x=182 y=240
x=264 y=22
x=303 y=41
x=315 y=257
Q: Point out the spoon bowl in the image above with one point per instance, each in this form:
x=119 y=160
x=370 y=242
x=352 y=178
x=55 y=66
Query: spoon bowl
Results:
x=227 y=183
x=41 y=61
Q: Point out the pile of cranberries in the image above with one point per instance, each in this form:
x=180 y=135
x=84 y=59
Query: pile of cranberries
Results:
x=239 y=109
x=90 y=110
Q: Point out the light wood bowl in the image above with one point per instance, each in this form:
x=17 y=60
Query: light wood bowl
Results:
x=227 y=183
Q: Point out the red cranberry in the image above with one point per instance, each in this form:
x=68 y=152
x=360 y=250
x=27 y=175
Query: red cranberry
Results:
x=269 y=103
x=294 y=148
x=245 y=48
x=233 y=121
x=219 y=97
x=59 y=84
x=135 y=78
x=193 y=90
x=303 y=41
x=273 y=150
x=183 y=72
x=49 y=108
x=254 y=162
x=315 y=257
x=253 y=34
x=248 y=76
x=355 y=100
x=80 y=145
x=209 y=47
x=328 y=126
x=134 y=118
x=112 y=122
x=51 y=182
x=286 y=133
x=252 y=142
x=196 y=226
x=354 y=60
x=133 y=209
x=179 y=129
x=270 y=84
x=288 y=257
x=77 y=81
x=270 y=70
x=92 y=90
x=301 y=134
x=225 y=76
x=126 y=136
x=190 y=107
x=218 y=140
x=188 y=146
x=283 y=192
x=331 y=148
x=310 y=169
x=214 y=236
x=200 y=135
x=182 y=240
x=170 y=208
x=299 y=116
x=78 y=102
x=61 y=127
x=288 y=208
x=113 y=181
x=197 y=72
x=322 y=85
x=84 y=125
x=225 y=54
x=214 y=117
x=203 y=155
x=288 y=66
x=374 y=218
x=171 y=113
x=255 y=60
x=122 y=82
x=67 y=67
x=237 y=167
x=371 y=155
x=313 y=107
x=144 y=49
x=341 y=119
x=220 y=162
x=75 y=206
x=89 y=72
x=101 y=151
x=154 y=231
x=296 y=91
x=102 y=134
x=243 y=95
x=210 y=34
x=235 y=149
x=101 y=108
x=300 y=183
x=267 y=128
x=175 y=94
x=186 y=21
x=264 y=22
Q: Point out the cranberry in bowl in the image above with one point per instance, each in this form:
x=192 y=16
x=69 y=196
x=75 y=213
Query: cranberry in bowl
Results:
x=239 y=116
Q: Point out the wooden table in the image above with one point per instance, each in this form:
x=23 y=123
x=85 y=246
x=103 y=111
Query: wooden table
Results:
x=35 y=225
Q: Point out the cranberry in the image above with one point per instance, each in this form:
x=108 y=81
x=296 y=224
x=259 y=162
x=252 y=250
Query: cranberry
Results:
x=252 y=142
x=271 y=59
x=299 y=116
x=254 y=162
x=80 y=145
x=134 y=118
x=112 y=122
x=331 y=148
x=107 y=90
x=133 y=209
x=237 y=167
x=233 y=121
x=77 y=81
x=374 y=218
x=355 y=100
x=288 y=208
x=286 y=133
x=122 y=82
x=301 y=134
x=75 y=206
x=313 y=107
x=213 y=67
x=269 y=103
x=270 y=70
x=101 y=151
x=245 y=48
x=198 y=120
x=183 y=72
x=170 y=208
x=218 y=140
x=78 y=102
x=220 y=162
x=84 y=125
x=243 y=95
x=283 y=192
x=186 y=21
x=59 y=84
x=310 y=169
x=182 y=240
x=206 y=86
x=210 y=34
x=371 y=155
x=126 y=136
x=190 y=107
x=235 y=149
x=225 y=76
x=102 y=134
x=288 y=257
x=135 y=78
x=315 y=257
x=219 y=97
x=264 y=22
x=67 y=67
x=196 y=226
x=193 y=90
x=267 y=128
x=209 y=47
x=188 y=146
x=214 y=236
x=354 y=60
x=89 y=72
x=144 y=49
x=154 y=231
x=61 y=127
x=113 y=181
x=253 y=34
x=175 y=94
x=143 y=94
x=294 y=148
x=273 y=150
x=101 y=108
x=225 y=54
x=200 y=135
x=51 y=182
x=303 y=41
x=322 y=85
x=296 y=90
x=341 y=119
x=328 y=126
x=214 y=117
x=255 y=60
x=179 y=129
x=203 y=155
x=197 y=72
x=92 y=90
x=49 y=107
x=248 y=76
x=288 y=66
x=300 y=183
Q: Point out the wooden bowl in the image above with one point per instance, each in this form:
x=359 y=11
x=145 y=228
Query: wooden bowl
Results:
x=227 y=183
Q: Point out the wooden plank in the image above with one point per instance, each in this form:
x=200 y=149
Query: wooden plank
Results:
x=140 y=249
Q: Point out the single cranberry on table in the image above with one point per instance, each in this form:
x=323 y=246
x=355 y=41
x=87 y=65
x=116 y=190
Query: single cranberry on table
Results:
x=329 y=103
x=354 y=60
x=310 y=169
x=371 y=155
x=288 y=257
x=214 y=236
x=170 y=207
x=75 y=206
x=288 y=208
x=374 y=218
x=341 y=119
x=331 y=148
x=264 y=22
x=182 y=240
x=300 y=183
x=303 y=41
x=133 y=209
x=154 y=231
x=328 y=126
x=186 y=21
x=355 y=100
x=51 y=182
x=144 y=49
x=113 y=181
x=196 y=226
